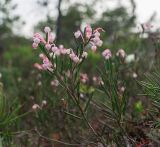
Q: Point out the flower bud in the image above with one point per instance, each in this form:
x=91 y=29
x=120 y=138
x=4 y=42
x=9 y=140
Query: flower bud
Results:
x=34 y=45
x=97 y=34
x=76 y=59
x=107 y=54
x=121 y=53
x=54 y=48
x=84 y=54
x=93 y=48
x=47 y=29
x=36 y=40
x=48 y=46
x=77 y=34
x=99 y=43
x=51 y=37
x=36 y=106
x=44 y=103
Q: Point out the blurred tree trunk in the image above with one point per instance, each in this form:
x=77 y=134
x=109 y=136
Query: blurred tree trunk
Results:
x=58 y=23
x=156 y=43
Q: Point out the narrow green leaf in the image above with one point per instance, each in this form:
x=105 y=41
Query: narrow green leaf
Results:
x=88 y=102
x=72 y=115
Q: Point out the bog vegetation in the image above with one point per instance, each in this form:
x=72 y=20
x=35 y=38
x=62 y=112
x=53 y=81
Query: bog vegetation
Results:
x=80 y=81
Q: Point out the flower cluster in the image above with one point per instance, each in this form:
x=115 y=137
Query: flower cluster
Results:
x=107 y=54
x=90 y=36
x=57 y=51
x=46 y=65
x=37 y=39
x=39 y=107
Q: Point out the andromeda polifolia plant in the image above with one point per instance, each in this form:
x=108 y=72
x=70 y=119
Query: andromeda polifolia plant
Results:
x=64 y=65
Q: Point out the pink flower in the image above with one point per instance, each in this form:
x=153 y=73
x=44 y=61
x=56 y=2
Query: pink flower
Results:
x=77 y=34
x=42 y=56
x=83 y=77
x=51 y=37
x=63 y=51
x=95 y=79
x=57 y=52
x=34 y=45
x=72 y=55
x=94 y=36
x=93 y=48
x=54 y=48
x=36 y=40
x=48 y=46
x=121 y=53
x=38 y=36
x=38 y=66
x=107 y=54
x=61 y=46
x=47 y=65
x=88 y=28
x=84 y=55
x=36 y=106
x=99 y=43
x=97 y=34
x=88 y=31
x=47 y=29
x=76 y=59
x=96 y=41
x=68 y=51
